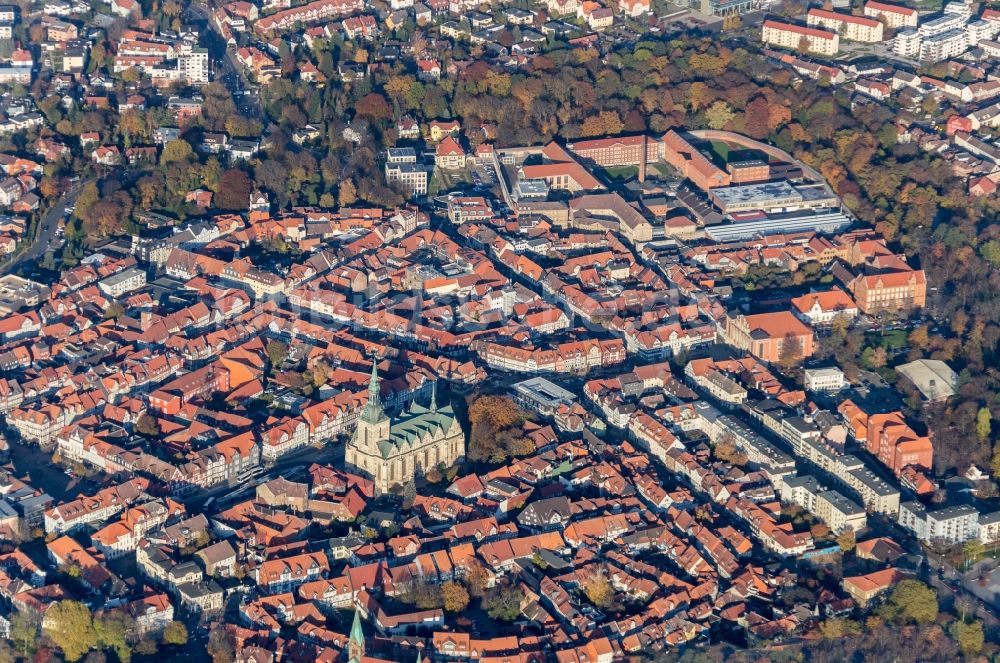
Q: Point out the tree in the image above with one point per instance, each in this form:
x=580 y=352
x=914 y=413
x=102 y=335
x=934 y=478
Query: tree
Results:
x=504 y=604
x=912 y=600
x=175 y=634
x=698 y=95
x=373 y=106
x=234 y=190
x=718 y=115
x=847 y=539
x=220 y=645
x=476 y=578
x=990 y=251
x=148 y=426
x=970 y=637
x=791 y=351
x=603 y=124
x=983 y=423
x=409 y=493
x=348 y=194
x=277 y=353
x=424 y=595
x=145 y=647
x=756 y=117
x=727 y=452
x=176 y=150
x=70 y=627
x=496 y=425
x=456 y=598
x=972 y=549
x=112 y=630
x=114 y=311
x=598 y=589
x=879 y=357
x=23 y=633
x=832 y=629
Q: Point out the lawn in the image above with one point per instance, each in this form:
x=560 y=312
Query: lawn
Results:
x=891 y=340
x=721 y=150
x=621 y=173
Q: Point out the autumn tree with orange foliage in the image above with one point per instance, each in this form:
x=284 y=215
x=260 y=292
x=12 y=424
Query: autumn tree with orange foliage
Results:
x=496 y=434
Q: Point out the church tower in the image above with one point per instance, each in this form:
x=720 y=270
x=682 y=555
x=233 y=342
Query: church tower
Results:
x=373 y=424
x=356 y=642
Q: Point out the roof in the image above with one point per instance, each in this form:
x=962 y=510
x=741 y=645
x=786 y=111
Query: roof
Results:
x=846 y=18
x=800 y=29
x=829 y=300
x=892 y=9
x=777 y=325
x=934 y=378
x=416 y=424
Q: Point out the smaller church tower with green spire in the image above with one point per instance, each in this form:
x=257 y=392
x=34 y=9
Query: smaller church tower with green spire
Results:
x=356 y=642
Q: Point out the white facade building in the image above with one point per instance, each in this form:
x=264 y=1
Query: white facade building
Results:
x=953 y=524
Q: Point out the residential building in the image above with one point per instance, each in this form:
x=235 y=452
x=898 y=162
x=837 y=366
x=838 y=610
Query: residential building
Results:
x=789 y=35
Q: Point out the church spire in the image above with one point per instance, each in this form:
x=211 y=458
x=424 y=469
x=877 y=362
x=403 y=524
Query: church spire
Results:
x=434 y=396
x=373 y=411
x=356 y=642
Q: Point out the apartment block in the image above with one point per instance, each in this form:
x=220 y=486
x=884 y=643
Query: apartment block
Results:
x=853 y=28
x=791 y=36
x=894 y=16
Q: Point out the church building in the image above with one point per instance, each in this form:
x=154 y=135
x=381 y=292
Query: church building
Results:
x=394 y=450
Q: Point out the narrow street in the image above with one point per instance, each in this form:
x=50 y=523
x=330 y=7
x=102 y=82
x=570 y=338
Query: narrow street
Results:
x=47 y=226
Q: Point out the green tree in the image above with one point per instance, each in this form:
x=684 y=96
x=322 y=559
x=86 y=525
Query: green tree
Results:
x=23 y=633
x=114 y=311
x=718 y=115
x=88 y=198
x=983 y=423
x=70 y=627
x=112 y=630
x=176 y=150
x=424 y=595
x=831 y=629
x=990 y=251
x=912 y=600
x=175 y=634
x=970 y=637
x=504 y=604
x=972 y=549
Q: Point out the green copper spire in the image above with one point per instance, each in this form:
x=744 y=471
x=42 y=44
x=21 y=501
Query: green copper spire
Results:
x=356 y=642
x=373 y=412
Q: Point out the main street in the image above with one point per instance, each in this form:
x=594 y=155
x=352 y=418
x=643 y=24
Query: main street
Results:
x=227 y=71
x=47 y=226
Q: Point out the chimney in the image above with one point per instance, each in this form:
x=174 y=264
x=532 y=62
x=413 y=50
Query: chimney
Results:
x=642 y=160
